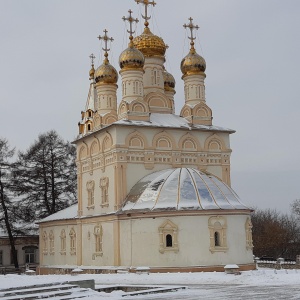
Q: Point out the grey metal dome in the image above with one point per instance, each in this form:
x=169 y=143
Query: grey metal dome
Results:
x=181 y=189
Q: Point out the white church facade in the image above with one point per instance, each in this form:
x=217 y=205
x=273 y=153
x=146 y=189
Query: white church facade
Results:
x=153 y=187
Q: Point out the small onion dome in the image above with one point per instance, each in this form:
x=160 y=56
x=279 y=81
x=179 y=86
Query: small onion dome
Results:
x=150 y=44
x=193 y=63
x=106 y=73
x=92 y=72
x=131 y=58
x=169 y=81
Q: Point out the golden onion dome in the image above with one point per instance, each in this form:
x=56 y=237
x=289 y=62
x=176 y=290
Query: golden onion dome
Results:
x=131 y=58
x=169 y=81
x=150 y=44
x=193 y=63
x=92 y=72
x=106 y=73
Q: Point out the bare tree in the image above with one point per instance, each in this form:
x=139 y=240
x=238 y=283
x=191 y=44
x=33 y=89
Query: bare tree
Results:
x=6 y=153
x=295 y=206
x=275 y=234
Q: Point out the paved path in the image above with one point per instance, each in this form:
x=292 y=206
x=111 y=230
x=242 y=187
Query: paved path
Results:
x=232 y=292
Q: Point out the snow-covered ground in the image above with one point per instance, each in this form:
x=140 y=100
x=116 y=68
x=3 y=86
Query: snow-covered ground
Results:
x=260 y=284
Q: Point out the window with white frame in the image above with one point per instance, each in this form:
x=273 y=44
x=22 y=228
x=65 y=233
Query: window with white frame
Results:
x=168 y=237
x=30 y=254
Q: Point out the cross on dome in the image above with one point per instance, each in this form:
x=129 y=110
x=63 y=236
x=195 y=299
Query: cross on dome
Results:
x=106 y=39
x=191 y=26
x=92 y=70
x=130 y=20
x=146 y=3
x=92 y=57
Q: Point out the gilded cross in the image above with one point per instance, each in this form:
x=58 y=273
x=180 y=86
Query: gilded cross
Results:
x=92 y=57
x=146 y=3
x=130 y=19
x=191 y=26
x=106 y=39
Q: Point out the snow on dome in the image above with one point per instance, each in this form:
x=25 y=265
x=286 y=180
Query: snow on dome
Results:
x=181 y=189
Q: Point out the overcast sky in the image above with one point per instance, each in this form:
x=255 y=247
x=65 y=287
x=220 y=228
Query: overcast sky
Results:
x=252 y=51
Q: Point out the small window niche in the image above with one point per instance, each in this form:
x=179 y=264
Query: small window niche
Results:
x=168 y=237
x=63 y=242
x=217 y=226
x=72 y=235
x=98 y=234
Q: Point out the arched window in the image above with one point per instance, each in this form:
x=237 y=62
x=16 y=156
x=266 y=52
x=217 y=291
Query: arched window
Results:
x=217 y=228
x=89 y=127
x=169 y=242
x=155 y=76
x=217 y=239
x=168 y=237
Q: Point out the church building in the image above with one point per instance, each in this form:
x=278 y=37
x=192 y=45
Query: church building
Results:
x=154 y=187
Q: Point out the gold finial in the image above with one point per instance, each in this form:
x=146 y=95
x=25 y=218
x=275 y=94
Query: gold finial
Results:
x=191 y=26
x=146 y=3
x=106 y=39
x=130 y=19
x=92 y=71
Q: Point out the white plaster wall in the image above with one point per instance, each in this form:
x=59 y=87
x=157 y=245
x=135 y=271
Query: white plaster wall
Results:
x=153 y=63
x=216 y=170
x=97 y=174
x=193 y=241
x=57 y=258
x=89 y=244
x=129 y=77
x=135 y=172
